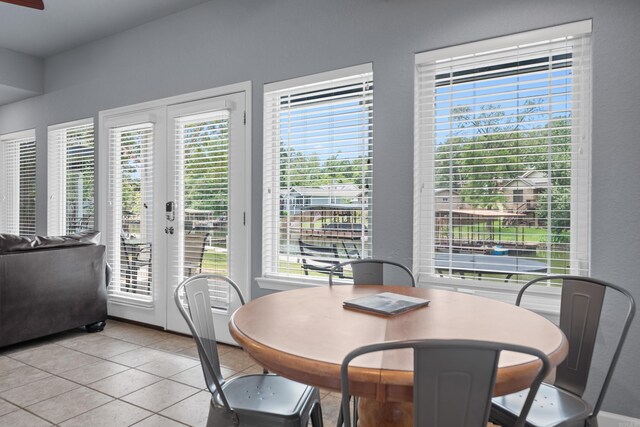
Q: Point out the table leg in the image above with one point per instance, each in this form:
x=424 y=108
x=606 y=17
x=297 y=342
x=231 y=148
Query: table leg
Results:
x=374 y=413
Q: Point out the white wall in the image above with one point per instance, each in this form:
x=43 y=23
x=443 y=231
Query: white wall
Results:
x=223 y=42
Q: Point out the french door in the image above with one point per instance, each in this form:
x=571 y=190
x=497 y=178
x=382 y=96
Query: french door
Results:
x=176 y=207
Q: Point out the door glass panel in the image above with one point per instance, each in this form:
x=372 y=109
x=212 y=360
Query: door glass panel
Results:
x=202 y=195
x=131 y=207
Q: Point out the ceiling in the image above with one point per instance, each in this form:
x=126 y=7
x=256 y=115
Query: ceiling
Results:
x=65 y=24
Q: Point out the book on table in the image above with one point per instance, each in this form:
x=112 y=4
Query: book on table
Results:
x=387 y=303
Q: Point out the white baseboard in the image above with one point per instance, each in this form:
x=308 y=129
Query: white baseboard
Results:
x=608 y=419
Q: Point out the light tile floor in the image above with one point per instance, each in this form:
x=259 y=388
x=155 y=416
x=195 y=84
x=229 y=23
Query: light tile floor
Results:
x=126 y=375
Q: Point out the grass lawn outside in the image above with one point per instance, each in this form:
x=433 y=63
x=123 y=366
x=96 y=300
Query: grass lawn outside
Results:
x=215 y=261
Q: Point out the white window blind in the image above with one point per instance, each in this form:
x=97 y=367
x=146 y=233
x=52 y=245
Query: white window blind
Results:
x=18 y=183
x=318 y=134
x=502 y=163
x=71 y=177
x=202 y=198
x=129 y=215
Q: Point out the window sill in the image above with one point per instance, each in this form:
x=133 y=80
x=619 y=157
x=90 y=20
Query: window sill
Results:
x=130 y=301
x=287 y=284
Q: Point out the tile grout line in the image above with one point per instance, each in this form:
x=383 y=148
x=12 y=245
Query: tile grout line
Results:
x=103 y=358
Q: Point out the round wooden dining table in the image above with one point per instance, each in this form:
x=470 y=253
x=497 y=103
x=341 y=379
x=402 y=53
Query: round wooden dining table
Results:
x=304 y=335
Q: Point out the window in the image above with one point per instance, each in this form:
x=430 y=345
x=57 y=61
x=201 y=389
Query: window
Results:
x=317 y=172
x=71 y=176
x=505 y=125
x=518 y=196
x=18 y=183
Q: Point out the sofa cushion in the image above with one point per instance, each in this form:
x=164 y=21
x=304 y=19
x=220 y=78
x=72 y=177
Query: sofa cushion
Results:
x=13 y=243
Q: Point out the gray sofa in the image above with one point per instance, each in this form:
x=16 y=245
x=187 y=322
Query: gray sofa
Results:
x=51 y=284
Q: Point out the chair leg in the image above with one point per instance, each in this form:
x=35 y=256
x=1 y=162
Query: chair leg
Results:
x=340 y=417
x=355 y=411
x=316 y=416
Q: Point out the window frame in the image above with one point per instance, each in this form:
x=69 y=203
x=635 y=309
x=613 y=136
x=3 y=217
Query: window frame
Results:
x=320 y=81
x=424 y=183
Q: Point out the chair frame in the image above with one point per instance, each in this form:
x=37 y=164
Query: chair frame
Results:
x=323 y=258
x=211 y=368
x=421 y=349
x=207 y=364
x=199 y=257
x=338 y=269
x=133 y=263
x=566 y=383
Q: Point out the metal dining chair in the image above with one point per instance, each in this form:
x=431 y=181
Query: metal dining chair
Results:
x=319 y=259
x=453 y=380
x=370 y=271
x=194 y=247
x=562 y=403
x=134 y=257
x=260 y=400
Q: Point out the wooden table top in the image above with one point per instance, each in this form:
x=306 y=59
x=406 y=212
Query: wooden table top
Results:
x=304 y=335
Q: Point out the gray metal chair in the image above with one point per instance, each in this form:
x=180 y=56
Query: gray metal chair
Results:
x=194 y=245
x=248 y=400
x=317 y=258
x=369 y=271
x=562 y=404
x=453 y=380
x=133 y=258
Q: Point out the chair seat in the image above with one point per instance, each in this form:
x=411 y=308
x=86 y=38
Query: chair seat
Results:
x=552 y=407
x=265 y=396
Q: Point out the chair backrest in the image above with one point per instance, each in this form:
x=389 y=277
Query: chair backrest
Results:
x=350 y=249
x=318 y=258
x=453 y=380
x=581 y=304
x=370 y=271
x=194 y=245
x=200 y=322
x=124 y=248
